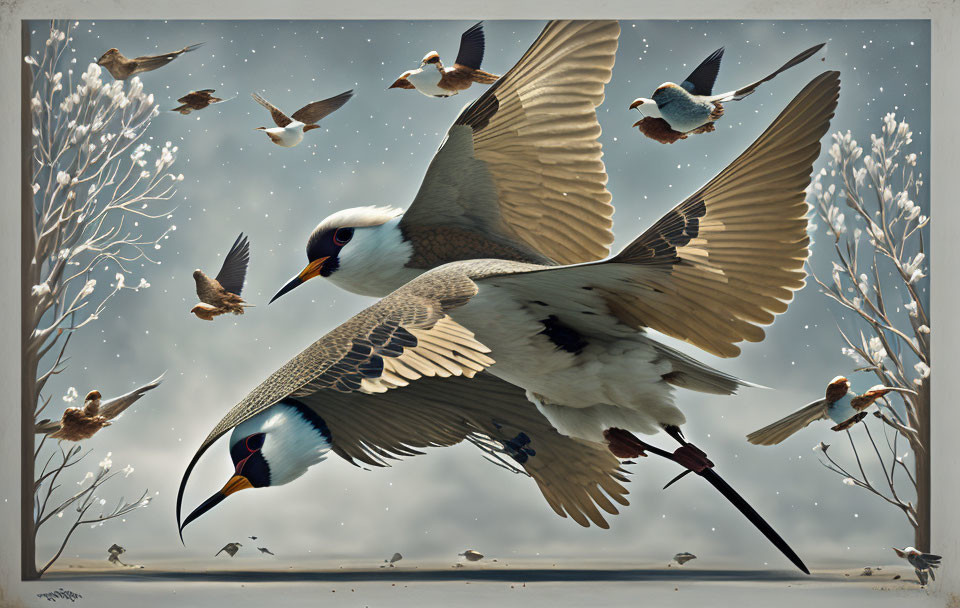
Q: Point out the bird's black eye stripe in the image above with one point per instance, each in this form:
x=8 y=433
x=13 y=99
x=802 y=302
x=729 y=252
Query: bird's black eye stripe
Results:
x=342 y=236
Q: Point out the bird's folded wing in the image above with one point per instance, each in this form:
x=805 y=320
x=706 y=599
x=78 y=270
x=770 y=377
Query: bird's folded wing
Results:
x=234 y=268
x=701 y=79
x=313 y=112
x=278 y=116
x=472 y=45
x=574 y=476
x=723 y=262
x=523 y=162
x=152 y=62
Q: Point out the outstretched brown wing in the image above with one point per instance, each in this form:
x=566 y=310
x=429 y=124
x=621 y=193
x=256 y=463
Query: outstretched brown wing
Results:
x=313 y=112
x=146 y=63
x=279 y=117
x=577 y=478
x=522 y=164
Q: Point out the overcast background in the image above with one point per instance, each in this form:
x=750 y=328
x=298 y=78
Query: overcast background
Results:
x=375 y=151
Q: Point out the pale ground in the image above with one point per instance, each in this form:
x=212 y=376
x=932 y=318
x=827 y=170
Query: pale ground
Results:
x=532 y=585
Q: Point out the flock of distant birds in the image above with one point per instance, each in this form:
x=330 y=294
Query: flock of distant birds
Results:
x=673 y=113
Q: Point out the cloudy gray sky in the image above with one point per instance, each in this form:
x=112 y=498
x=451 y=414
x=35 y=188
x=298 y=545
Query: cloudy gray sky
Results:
x=375 y=151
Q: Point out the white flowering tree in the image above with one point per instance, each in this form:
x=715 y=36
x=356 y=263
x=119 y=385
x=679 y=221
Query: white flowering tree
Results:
x=879 y=281
x=91 y=190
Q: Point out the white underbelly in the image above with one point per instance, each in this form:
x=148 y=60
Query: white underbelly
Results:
x=286 y=138
x=606 y=376
x=428 y=81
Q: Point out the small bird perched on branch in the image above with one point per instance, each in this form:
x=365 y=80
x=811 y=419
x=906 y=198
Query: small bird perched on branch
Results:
x=222 y=295
x=923 y=563
x=841 y=405
x=290 y=129
x=230 y=548
x=121 y=67
x=79 y=423
x=196 y=100
x=688 y=108
x=434 y=80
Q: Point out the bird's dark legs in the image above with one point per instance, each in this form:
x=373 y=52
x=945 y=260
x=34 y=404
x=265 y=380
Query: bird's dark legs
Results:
x=624 y=444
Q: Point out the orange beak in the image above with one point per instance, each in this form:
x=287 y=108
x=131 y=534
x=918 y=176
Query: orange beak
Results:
x=313 y=269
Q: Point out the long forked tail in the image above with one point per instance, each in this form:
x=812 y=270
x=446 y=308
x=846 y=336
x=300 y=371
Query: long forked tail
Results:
x=775 y=433
x=482 y=77
x=750 y=88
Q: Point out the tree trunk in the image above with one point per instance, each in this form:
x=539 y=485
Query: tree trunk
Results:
x=28 y=364
x=921 y=538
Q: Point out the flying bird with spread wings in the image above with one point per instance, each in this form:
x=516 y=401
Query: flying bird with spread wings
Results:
x=222 y=295
x=841 y=405
x=689 y=108
x=290 y=129
x=434 y=80
x=79 y=423
x=569 y=337
x=121 y=67
x=573 y=335
x=196 y=100
x=512 y=179
x=230 y=548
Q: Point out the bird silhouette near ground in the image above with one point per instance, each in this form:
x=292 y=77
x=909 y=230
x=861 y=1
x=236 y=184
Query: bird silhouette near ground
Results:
x=230 y=548
x=78 y=423
x=471 y=556
x=196 y=100
x=222 y=295
x=121 y=67
x=393 y=559
x=684 y=557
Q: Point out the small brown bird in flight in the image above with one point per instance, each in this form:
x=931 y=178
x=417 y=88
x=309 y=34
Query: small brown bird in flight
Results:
x=222 y=295
x=434 y=80
x=230 y=548
x=196 y=100
x=79 y=423
x=290 y=129
x=121 y=67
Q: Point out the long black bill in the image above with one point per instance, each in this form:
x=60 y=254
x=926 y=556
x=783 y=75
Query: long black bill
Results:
x=738 y=501
x=290 y=286
x=750 y=513
x=203 y=508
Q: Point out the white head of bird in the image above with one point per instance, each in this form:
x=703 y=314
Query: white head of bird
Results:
x=647 y=107
x=359 y=249
x=430 y=58
x=272 y=448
